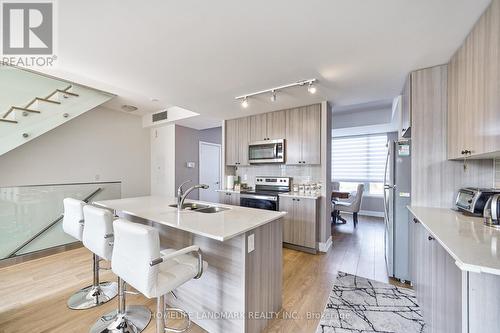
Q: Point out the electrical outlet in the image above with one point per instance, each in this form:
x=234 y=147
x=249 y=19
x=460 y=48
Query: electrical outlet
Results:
x=97 y=177
x=251 y=243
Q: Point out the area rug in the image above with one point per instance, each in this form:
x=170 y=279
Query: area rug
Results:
x=360 y=305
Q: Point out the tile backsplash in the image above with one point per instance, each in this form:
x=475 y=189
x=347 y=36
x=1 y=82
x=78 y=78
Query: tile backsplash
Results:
x=497 y=173
x=300 y=174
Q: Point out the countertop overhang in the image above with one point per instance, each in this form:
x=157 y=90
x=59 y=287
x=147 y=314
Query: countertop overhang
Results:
x=474 y=246
x=220 y=226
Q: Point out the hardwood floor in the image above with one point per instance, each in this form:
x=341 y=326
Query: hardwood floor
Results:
x=33 y=294
x=362 y=248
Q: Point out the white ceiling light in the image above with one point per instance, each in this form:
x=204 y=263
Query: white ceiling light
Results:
x=311 y=88
x=129 y=108
x=244 y=103
x=273 y=96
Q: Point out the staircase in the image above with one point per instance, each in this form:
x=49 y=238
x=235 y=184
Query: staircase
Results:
x=32 y=104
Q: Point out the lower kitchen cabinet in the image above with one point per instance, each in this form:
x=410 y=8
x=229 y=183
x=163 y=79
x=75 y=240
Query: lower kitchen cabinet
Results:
x=437 y=281
x=229 y=198
x=300 y=223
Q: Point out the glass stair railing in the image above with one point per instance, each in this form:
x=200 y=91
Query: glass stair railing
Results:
x=31 y=216
x=32 y=104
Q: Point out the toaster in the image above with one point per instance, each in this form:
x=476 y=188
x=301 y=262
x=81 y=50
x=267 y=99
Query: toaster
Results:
x=473 y=200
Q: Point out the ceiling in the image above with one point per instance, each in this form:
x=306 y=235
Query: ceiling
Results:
x=200 y=54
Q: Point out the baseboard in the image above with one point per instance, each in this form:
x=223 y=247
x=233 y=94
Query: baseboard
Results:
x=367 y=213
x=39 y=254
x=324 y=247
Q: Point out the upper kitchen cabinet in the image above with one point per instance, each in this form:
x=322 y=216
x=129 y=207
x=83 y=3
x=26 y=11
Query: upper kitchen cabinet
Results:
x=267 y=126
x=405 y=128
x=243 y=140
x=237 y=139
x=473 y=91
x=258 y=127
x=276 y=124
x=231 y=145
x=303 y=135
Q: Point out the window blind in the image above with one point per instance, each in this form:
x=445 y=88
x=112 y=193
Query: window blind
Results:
x=359 y=158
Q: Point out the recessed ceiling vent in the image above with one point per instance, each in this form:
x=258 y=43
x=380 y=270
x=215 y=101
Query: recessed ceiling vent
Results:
x=160 y=116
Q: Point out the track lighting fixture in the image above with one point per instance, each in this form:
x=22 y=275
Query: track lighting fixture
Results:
x=273 y=96
x=244 y=103
x=310 y=87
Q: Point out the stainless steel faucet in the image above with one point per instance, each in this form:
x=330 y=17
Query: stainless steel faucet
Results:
x=180 y=192
x=181 y=195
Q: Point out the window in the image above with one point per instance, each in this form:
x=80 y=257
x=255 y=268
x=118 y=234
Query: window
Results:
x=360 y=159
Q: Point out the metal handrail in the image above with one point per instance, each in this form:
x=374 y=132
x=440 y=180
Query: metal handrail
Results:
x=50 y=225
x=46 y=99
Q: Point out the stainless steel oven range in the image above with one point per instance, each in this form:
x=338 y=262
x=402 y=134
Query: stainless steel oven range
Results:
x=265 y=195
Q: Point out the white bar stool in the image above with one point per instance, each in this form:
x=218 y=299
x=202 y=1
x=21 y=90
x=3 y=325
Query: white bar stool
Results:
x=97 y=293
x=137 y=259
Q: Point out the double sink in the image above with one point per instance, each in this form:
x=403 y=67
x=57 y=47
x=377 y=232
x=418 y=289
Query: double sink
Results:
x=199 y=208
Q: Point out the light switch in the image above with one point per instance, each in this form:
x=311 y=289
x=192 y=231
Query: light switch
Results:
x=190 y=165
x=251 y=243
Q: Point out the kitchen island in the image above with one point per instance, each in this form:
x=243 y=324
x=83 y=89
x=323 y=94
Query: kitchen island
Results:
x=242 y=288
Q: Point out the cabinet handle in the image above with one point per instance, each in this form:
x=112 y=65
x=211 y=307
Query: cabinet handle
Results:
x=415 y=221
x=430 y=238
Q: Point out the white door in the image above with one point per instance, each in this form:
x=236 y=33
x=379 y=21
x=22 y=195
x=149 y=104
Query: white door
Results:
x=210 y=170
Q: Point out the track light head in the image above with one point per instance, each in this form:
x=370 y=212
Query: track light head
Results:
x=244 y=103
x=311 y=88
x=273 y=96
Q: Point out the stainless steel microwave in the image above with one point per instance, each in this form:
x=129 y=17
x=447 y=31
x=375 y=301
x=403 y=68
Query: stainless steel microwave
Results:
x=267 y=151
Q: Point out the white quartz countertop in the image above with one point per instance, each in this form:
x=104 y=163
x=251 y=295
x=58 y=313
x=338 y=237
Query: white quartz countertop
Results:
x=301 y=195
x=219 y=226
x=474 y=246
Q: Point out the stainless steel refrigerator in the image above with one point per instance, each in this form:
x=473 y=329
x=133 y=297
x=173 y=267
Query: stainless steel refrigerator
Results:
x=397 y=189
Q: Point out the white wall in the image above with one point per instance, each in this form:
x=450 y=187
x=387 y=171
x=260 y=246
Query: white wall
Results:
x=100 y=145
x=362 y=118
x=364 y=121
x=163 y=160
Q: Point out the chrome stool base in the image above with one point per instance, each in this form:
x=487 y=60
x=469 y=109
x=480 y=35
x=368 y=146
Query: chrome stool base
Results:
x=183 y=314
x=134 y=320
x=163 y=313
x=93 y=296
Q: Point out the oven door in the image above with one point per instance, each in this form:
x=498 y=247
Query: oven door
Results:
x=270 y=151
x=259 y=201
